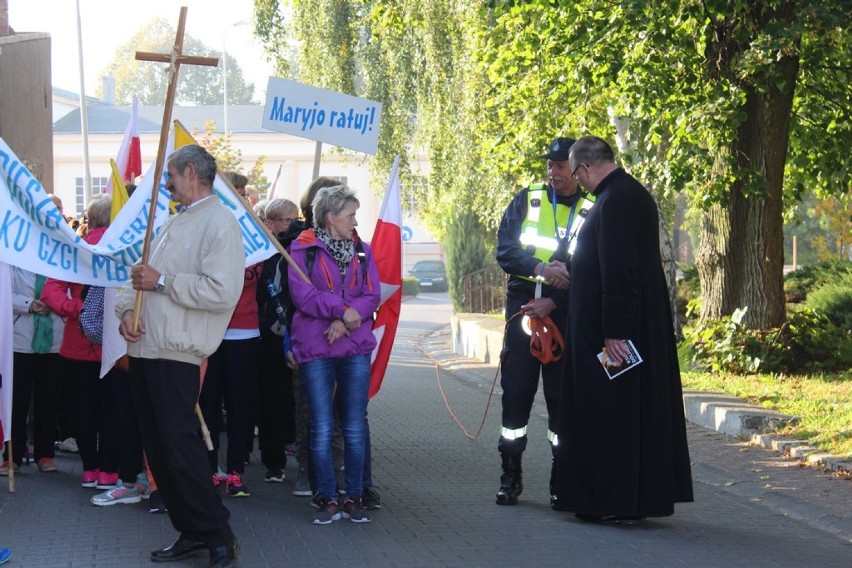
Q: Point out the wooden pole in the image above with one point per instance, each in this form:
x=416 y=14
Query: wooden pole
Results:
x=174 y=59
x=205 y=431
x=11 y=466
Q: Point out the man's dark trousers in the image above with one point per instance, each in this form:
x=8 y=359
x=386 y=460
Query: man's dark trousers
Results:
x=164 y=395
x=520 y=371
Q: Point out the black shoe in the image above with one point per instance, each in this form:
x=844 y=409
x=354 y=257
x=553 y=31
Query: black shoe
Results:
x=511 y=482
x=182 y=548
x=156 y=504
x=371 y=499
x=224 y=555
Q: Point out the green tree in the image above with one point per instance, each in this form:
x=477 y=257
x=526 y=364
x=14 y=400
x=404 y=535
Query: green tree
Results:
x=229 y=158
x=467 y=251
x=197 y=85
x=718 y=99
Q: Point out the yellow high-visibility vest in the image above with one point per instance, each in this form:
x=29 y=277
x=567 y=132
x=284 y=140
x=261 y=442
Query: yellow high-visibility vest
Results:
x=539 y=229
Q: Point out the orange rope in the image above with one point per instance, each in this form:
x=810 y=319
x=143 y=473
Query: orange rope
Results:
x=490 y=393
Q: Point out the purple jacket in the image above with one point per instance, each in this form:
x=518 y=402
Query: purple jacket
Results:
x=325 y=299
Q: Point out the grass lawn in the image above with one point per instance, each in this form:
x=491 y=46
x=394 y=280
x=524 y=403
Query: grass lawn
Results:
x=823 y=403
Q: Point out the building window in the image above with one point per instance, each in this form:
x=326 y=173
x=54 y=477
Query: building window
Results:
x=98 y=186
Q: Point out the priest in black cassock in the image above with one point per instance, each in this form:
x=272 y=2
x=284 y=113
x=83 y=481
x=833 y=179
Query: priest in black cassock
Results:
x=622 y=452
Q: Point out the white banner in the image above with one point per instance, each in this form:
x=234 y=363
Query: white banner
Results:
x=35 y=236
x=5 y=351
x=322 y=115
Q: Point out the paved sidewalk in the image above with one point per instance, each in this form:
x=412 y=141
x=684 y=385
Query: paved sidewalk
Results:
x=753 y=508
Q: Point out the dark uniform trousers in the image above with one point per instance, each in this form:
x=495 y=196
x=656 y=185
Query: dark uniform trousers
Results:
x=520 y=371
x=164 y=395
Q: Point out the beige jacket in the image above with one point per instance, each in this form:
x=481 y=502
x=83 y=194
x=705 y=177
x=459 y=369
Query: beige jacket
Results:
x=201 y=253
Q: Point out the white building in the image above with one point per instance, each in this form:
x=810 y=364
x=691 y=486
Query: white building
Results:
x=295 y=156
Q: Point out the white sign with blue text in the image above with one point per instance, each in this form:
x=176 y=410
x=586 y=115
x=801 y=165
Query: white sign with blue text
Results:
x=35 y=236
x=322 y=115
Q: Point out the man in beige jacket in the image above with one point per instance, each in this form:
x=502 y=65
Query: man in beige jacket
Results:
x=194 y=279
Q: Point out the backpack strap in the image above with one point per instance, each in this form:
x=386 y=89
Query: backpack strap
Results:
x=311 y=256
x=362 y=259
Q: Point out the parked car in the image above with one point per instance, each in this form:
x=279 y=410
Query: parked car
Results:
x=432 y=275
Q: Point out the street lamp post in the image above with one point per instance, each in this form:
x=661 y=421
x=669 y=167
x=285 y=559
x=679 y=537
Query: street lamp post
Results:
x=225 y=71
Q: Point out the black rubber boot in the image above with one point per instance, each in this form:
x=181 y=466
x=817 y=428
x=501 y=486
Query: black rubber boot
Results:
x=511 y=482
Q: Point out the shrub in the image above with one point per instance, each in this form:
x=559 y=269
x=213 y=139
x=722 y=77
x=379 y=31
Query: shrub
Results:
x=410 y=286
x=799 y=283
x=807 y=342
x=688 y=290
x=834 y=300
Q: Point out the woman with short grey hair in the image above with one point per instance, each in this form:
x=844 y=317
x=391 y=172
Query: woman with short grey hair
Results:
x=332 y=199
x=332 y=343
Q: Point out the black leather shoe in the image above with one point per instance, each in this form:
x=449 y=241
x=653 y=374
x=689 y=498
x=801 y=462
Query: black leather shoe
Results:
x=225 y=555
x=182 y=548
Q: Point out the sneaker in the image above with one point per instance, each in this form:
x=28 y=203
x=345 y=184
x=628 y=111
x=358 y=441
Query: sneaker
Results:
x=353 y=509
x=46 y=465
x=234 y=486
x=156 y=504
x=106 y=480
x=340 y=480
x=302 y=487
x=29 y=456
x=217 y=481
x=291 y=449
x=121 y=494
x=276 y=476
x=68 y=445
x=90 y=478
x=329 y=511
x=4 y=468
x=316 y=500
x=371 y=499
x=143 y=486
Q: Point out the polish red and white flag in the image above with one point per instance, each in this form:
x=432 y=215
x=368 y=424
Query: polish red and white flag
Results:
x=387 y=254
x=129 y=157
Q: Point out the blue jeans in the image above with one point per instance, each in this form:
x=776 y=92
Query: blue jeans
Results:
x=352 y=377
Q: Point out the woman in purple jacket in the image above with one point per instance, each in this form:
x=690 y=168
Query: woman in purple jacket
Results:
x=332 y=342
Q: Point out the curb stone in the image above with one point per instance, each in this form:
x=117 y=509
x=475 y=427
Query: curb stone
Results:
x=476 y=336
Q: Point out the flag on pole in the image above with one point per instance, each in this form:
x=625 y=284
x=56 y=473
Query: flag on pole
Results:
x=114 y=346
x=119 y=191
x=129 y=158
x=270 y=195
x=387 y=254
x=5 y=352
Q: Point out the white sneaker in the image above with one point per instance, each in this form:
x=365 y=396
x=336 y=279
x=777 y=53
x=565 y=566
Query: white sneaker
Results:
x=120 y=494
x=68 y=445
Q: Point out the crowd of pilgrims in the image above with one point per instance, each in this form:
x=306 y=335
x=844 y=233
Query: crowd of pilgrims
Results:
x=250 y=386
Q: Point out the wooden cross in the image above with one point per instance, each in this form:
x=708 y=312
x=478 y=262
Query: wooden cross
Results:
x=174 y=59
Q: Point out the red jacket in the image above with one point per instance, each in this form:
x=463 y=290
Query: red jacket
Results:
x=55 y=295
x=245 y=314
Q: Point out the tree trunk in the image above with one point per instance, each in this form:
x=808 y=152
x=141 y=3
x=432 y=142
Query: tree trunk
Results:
x=741 y=257
x=667 y=251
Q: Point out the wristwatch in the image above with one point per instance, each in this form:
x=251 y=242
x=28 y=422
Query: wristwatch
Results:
x=161 y=283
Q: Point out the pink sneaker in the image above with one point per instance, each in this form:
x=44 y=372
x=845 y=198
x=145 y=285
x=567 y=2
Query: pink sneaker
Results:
x=90 y=478
x=106 y=480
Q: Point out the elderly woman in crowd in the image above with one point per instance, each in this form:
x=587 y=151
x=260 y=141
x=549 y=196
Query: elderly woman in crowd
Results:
x=333 y=340
x=106 y=435
x=275 y=379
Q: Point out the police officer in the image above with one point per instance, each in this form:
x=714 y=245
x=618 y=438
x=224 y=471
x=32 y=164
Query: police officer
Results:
x=534 y=244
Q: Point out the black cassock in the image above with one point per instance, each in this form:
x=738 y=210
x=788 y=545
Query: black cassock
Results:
x=622 y=442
